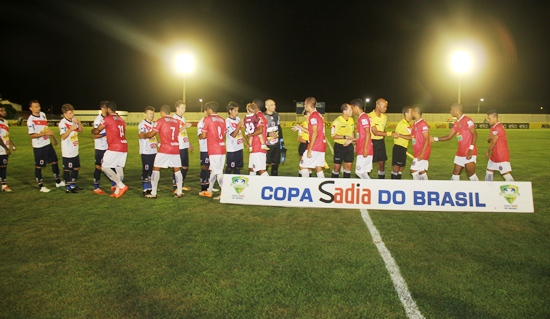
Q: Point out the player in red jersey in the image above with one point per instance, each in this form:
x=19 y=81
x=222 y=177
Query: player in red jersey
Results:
x=214 y=132
x=466 y=135
x=363 y=143
x=117 y=151
x=168 y=155
x=314 y=156
x=6 y=146
x=255 y=125
x=421 y=145
x=497 y=153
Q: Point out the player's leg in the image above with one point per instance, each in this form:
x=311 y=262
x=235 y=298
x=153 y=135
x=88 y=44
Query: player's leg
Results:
x=155 y=177
x=179 y=181
x=52 y=158
x=39 y=163
x=3 y=173
x=337 y=160
x=471 y=171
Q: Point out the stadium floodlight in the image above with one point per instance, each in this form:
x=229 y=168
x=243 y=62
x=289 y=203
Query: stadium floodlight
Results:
x=461 y=62
x=479 y=104
x=185 y=64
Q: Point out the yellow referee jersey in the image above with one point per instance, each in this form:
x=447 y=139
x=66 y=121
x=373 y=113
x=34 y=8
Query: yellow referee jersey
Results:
x=343 y=128
x=304 y=133
x=379 y=122
x=403 y=128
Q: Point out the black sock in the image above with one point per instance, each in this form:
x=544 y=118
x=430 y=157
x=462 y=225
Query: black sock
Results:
x=347 y=175
x=237 y=170
x=3 y=174
x=75 y=176
x=335 y=174
x=97 y=176
x=183 y=175
x=55 y=170
x=67 y=177
x=38 y=176
x=274 y=169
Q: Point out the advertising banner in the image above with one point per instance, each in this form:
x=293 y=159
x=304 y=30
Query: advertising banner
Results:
x=346 y=193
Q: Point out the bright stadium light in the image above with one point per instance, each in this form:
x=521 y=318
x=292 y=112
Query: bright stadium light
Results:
x=185 y=64
x=461 y=62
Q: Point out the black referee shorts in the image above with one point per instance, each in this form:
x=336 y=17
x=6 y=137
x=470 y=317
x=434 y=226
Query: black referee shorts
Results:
x=379 y=149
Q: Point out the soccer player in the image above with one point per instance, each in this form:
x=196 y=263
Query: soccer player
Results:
x=342 y=132
x=147 y=148
x=422 y=145
x=214 y=132
x=69 y=127
x=100 y=143
x=497 y=153
x=260 y=106
x=114 y=158
x=274 y=137
x=314 y=156
x=205 y=161
x=378 y=121
x=255 y=125
x=363 y=144
x=185 y=146
x=466 y=135
x=402 y=136
x=44 y=152
x=234 y=140
x=168 y=129
x=6 y=146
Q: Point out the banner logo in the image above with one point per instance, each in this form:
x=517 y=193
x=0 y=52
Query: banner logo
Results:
x=239 y=183
x=510 y=192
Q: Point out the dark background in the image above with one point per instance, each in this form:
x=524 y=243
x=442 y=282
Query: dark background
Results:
x=82 y=52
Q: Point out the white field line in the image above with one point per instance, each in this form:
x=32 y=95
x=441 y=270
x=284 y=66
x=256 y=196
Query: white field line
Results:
x=331 y=148
x=398 y=281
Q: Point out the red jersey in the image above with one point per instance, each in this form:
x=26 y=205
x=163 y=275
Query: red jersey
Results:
x=115 y=130
x=500 y=151
x=214 y=127
x=363 y=122
x=419 y=128
x=464 y=136
x=168 y=129
x=315 y=119
x=251 y=122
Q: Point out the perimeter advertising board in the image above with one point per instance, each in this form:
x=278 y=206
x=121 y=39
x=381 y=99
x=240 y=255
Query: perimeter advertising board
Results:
x=462 y=196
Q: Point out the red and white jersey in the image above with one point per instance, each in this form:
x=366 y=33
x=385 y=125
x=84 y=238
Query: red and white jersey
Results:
x=214 y=127
x=147 y=145
x=419 y=128
x=464 y=136
x=233 y=144
x=500 y=151
x=363 y=122
x=251 y=122
x=4 y=135
x=315 y=119
x=100 y=143
x=38 y=124
x=203 y=147
x=183 y=138
x=69 y=146
x=115 y=128
x=168 y=129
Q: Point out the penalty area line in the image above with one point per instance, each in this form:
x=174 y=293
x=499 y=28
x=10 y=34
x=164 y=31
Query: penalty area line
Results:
x=411 y=309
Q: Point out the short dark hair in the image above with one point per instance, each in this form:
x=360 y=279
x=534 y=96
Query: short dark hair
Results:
x=103 y=104
x=212 y=105
x=417 y=108
x=111 y=105
x=66 y=107
x=492 y=112
x=458 y=106
x=358 y=103
x=149 y=108
x=406 y=109
x=165 y=108
x=231 y=106
x=33 y=101
x=260 y=104
x=178 y=103
x=344 y=107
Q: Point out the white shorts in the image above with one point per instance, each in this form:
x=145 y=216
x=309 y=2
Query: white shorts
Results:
x=462 y=161
x=217 y=163
x=256 y=161
x=164 y=160
x=502 y=167
x=112 y=159
x=363 y=164
x=419 y=166
x=317 y=159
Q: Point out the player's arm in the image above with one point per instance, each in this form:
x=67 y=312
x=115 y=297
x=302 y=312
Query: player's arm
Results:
x=66 y=134
x=367 y=139
x=4 y=146
x=54 y=140
x=97 y=130
x=46 y=132
x=78 y=124
x=403 y=136
x=473 y=131
x=147 y=134
x=425 y=146
x=376 y=132
x=492 y=144
x=312 y=138
x=444 y=138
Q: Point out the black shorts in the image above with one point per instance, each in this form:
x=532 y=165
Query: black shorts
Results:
x=205 y=160
x=273 y=155
x=71 y=162
x=99 y=156
x=343 y=153
x=302 y=148
x=45 y=155
x=235 y=159
x=184 y=157
x=379 y=149
x=399 y=156
x=3 y=160
x=148 y=161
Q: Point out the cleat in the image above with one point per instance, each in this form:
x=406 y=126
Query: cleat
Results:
x=99 y=192
x=178 y=196
x=44 y=189
x=79 y=188
x=215 y=190
x=121 y=192
x=113 y=188
x=62 y=184
x=112 y=195
x=205 y=194
x=151 y=196
x=5 y=188
x=71 y=191
x=218 y=197
x=185 y=188
x=264 y=147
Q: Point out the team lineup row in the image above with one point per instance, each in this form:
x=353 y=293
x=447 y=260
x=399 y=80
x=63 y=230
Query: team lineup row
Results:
x=165 y=143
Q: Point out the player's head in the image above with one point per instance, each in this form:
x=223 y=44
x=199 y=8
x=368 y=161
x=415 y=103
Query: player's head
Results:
x=233 y=109
x=305 y=113
x=2 y=111
x=260 y=104
x=347 y=110
x=165 y=110
x=416 y=112
x=34 y=106
x=103 y=107
x=149 y=113
x=407 y=113
x=68 y=111
x=211 y=107
x=492 y=117
x=270 y=106
x=456 y=110
x=357 y=106
x=252 y=108
x=310 y=103
x=111 y=107
x=382 y=105
x=180 y=107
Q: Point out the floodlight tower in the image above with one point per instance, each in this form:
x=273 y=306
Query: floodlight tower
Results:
x=461 y=63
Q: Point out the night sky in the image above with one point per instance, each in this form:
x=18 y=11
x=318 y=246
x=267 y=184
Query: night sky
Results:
x=82 y=52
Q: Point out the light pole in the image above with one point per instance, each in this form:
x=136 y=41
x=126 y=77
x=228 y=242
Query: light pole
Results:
x=200 y=100
x=185 y=63
x=367 y=100
x=479 y=104
x=461 y=62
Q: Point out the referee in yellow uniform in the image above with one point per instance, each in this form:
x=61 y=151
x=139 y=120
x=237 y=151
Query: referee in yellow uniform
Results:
x=378 y=128
x=342 y=132
x=402 y=136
